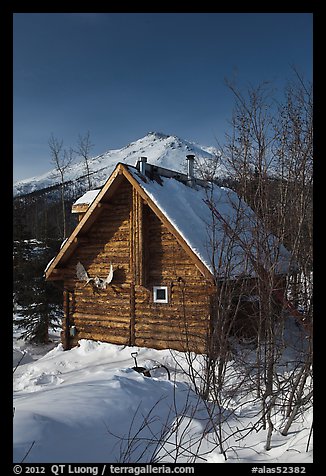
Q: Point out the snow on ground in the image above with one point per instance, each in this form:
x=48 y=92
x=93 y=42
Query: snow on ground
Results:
x=24 y=352
x=88 y=405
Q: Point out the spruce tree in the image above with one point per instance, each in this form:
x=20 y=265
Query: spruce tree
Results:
x=38 y=303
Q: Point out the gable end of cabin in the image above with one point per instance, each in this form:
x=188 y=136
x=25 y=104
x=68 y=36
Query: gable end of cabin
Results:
x=158 y=297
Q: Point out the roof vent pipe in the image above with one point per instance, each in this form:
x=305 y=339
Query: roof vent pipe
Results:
x=142 y=164
x=191 y=161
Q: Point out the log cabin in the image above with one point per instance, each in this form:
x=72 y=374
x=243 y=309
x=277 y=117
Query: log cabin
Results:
x=150 y=253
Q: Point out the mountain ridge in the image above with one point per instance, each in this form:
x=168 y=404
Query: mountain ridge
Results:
x=161 y=149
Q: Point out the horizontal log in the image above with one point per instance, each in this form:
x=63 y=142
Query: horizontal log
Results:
x=90 y=329
x=106 y=329
x=156 y=273
x=110 y=223
x=103 y=256
x=112 y=339
x=111 y=228
x=171 y=344
x=101 y=318
x=101 y=306
x=98 y=317
x=105 y=312
x=112 y=293
x=108 y=312
x=200 y=298
x=113 y=219
x=153 y=307
x=104 y=245
x=169 y=313
x=180 y=268
x=170 y=334
x=110 y=236
x=90 y=326
x=166 y=343
x=169 y=324
x=81 y=316
x=114 y=237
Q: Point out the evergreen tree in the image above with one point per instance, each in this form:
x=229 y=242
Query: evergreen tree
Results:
x=38 y=303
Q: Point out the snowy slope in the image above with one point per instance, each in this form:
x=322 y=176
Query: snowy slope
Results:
x=88 y=405
x=164 y=150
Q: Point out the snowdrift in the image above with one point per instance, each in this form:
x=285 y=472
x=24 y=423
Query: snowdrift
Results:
x=88 y=405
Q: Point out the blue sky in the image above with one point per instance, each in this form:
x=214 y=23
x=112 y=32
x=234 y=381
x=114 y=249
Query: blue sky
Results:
x=121 y=75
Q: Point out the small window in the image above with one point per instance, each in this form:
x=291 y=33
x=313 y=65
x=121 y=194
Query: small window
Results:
x=160 y=294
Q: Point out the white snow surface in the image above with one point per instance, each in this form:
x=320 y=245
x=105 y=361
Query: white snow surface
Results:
x=87 y=198
x=85 y=404
x=164 y=150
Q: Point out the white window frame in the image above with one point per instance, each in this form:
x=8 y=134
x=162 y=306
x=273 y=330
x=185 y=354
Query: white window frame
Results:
x=160 y=301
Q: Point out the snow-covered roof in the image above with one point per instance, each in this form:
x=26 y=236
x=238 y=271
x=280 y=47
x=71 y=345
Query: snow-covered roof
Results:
x=226 y=245
x=223 y=244
x=87 y=198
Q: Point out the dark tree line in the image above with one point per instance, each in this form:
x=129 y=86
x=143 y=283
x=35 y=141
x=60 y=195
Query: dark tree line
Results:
x=39 y=215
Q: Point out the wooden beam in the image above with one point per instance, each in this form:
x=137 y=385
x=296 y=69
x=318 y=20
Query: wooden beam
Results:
x=137 y=238
x=197 y=261
x=132 y=314
x=66 y=323
x=140 y=227
x=80 y=208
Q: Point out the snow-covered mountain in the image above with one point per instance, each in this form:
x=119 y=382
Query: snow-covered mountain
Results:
x=167 y=151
